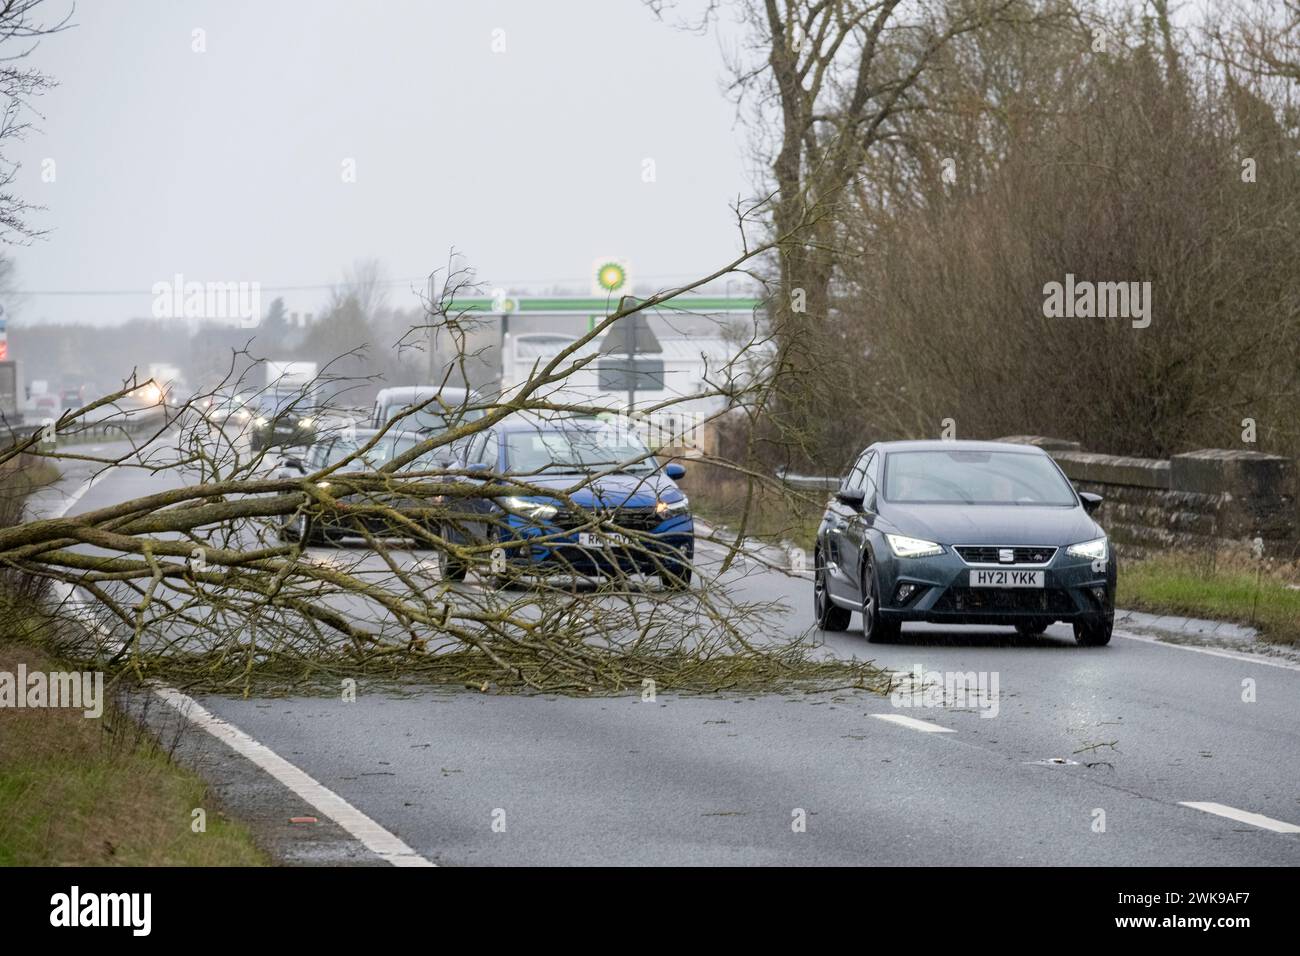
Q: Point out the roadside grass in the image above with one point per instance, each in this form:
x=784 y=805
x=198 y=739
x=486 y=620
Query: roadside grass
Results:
x=19 y=477
x=719 y=497
x=96 y=791
x=1260 y=594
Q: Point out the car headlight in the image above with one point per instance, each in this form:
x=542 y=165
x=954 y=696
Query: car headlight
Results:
x=1094 y=550
x=306 y=422
x=260 y=421
x=905 y=547
x=665 y=508
x=527 y=508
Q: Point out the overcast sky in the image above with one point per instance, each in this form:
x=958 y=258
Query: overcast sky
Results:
x=228 y=165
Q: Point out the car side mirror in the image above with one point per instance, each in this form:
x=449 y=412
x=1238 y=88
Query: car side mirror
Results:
x=675 y=471
x=853 y=497
x=1091 y=502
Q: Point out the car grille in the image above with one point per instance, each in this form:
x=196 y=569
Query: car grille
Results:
x=624 y=519
x=1005 y=599
x=988 y=554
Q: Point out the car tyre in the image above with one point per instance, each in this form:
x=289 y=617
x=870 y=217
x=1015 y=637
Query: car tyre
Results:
x=676 y=577
x=450 y=567
x=1093 y=633
x=830 y=616
x=875 y=629
x=297 y=530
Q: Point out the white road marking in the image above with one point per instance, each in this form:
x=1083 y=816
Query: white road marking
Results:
x=1212 y=651
x=73 y=498
x=370 y=834
x=924 y=726
x=99 y=476
x=1243 y=816
x=374 y=837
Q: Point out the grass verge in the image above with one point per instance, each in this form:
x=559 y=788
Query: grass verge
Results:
x=763 y=512
x=97 y=791
x=1260 y=594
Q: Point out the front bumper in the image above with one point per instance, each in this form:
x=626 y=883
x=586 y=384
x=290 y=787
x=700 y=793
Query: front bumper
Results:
x=533 y=547
x=1073 y=590
x=265 y=436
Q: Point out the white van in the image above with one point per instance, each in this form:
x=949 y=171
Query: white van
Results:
x=443 y=407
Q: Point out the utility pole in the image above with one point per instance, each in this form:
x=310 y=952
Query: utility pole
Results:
x=629 y=345
x=433 y=372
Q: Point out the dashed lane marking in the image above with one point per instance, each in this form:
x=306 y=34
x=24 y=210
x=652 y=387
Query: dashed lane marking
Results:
x=1243 y=816
x=912 y=723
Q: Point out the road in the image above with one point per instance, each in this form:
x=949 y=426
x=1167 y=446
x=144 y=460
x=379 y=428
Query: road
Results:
x=1090 y=757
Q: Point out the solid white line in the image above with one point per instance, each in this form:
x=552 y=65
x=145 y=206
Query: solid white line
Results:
x=371 y=835
x=1243 y=816
x=99 y=476
x=1212 y=651
x=374 y=837
x=73 y=498
x=911 y=722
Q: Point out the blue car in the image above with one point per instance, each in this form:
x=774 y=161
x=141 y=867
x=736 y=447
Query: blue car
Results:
x=962 y=532
x=624 y=513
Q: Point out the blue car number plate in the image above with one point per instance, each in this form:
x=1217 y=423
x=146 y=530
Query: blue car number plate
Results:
x=609 y=539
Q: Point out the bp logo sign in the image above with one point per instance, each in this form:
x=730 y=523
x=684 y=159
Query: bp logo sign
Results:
x=611 y=276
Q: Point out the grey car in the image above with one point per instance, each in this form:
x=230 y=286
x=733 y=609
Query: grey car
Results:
x=962 y=532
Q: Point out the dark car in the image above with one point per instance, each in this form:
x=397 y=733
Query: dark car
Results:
x=228 y=407
x=962 y=532
x=624 y=512
x=355 y=510
x=282 y=419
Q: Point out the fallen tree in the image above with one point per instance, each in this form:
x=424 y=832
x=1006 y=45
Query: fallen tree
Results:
x=209 y=582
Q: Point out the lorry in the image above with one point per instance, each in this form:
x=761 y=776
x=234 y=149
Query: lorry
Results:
x=12 y=398
x=284 y=376
x=168 y=382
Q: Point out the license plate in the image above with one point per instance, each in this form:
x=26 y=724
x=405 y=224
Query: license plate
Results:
x=999 y=578
x=590 y=540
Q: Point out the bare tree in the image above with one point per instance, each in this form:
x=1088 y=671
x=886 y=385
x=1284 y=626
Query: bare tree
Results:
x=21 y=28
x=1260 y=38
x=825 y=82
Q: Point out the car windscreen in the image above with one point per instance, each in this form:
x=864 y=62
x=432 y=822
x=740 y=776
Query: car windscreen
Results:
x=384 y=451
x=285 y=403
x=432 y=418
x=431 y=461
x=576 y=451
x=974 y=478
x=374 y=457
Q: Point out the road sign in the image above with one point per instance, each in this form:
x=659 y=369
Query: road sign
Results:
x=631 y=335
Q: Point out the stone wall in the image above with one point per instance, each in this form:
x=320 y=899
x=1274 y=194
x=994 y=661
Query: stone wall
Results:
x=1210 y=498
